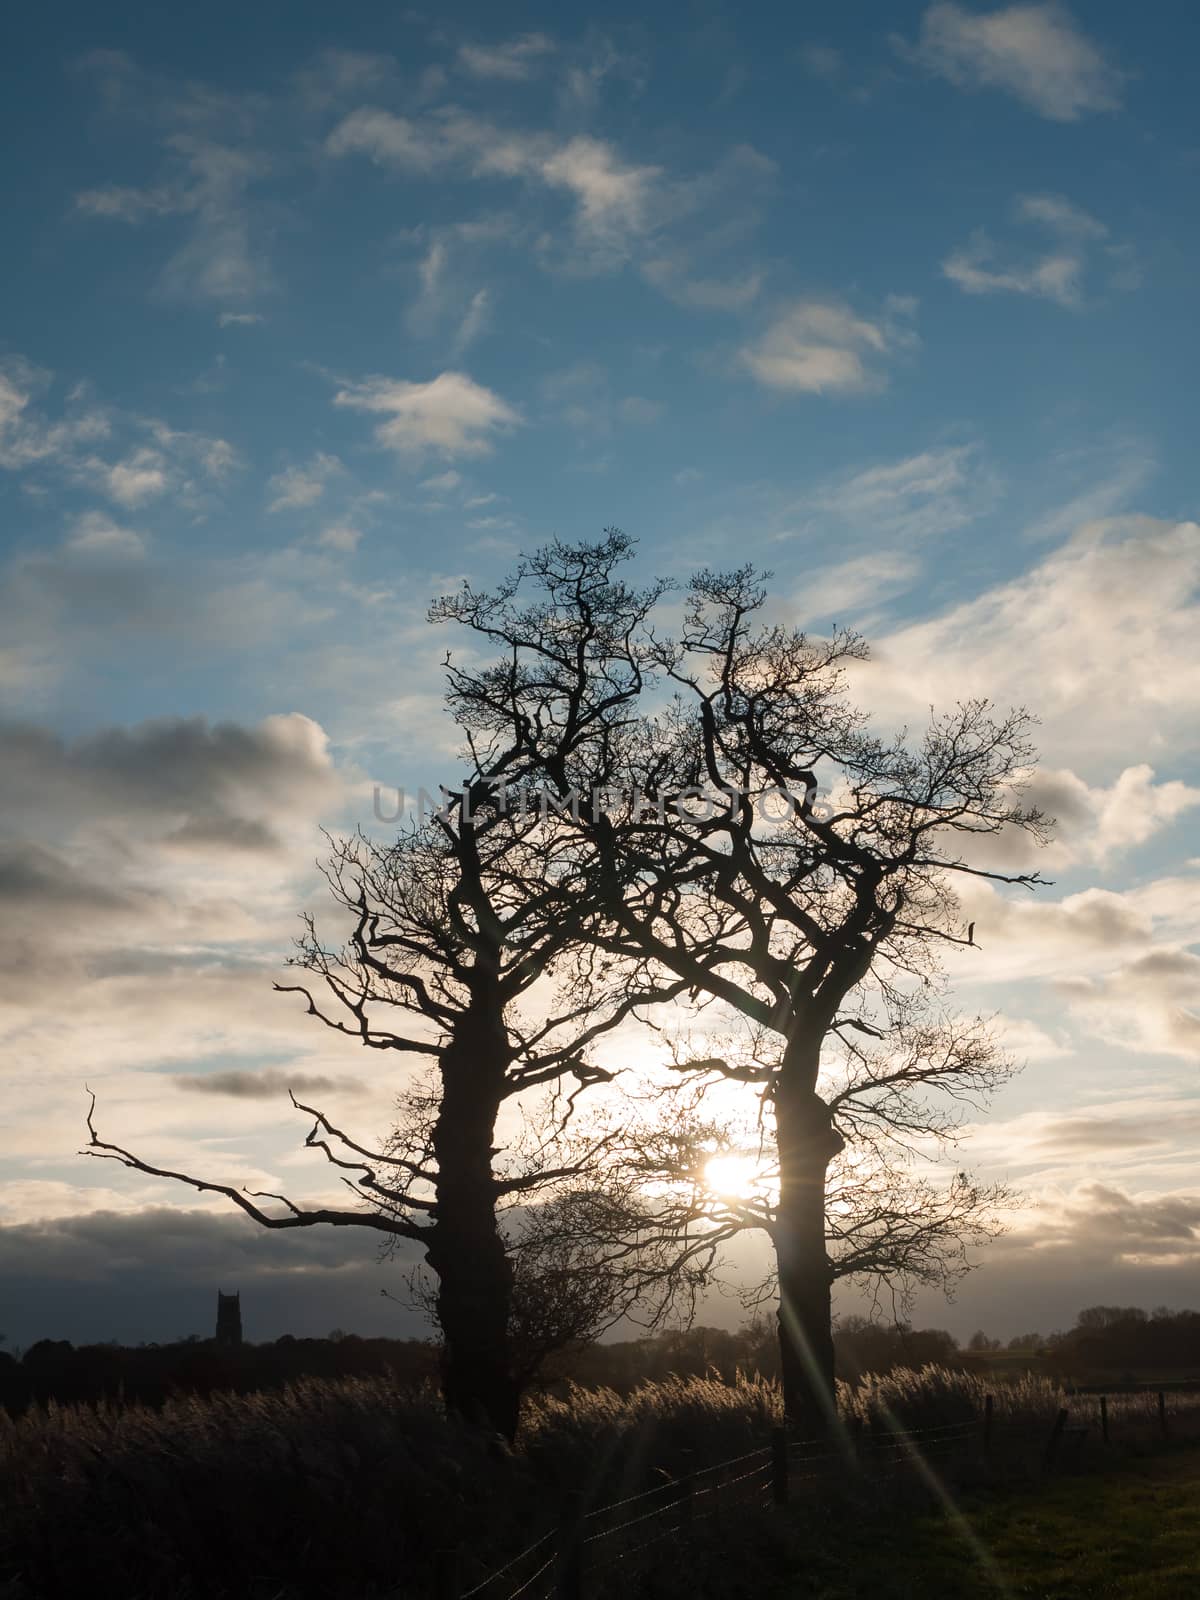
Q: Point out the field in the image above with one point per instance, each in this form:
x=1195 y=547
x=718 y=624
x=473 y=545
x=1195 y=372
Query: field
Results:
x=352 y=1487
x=1132 y=1532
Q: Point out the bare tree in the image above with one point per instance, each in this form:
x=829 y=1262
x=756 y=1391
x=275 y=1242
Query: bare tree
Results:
x=599 y=1223
x=467 y=951
x=813 y=923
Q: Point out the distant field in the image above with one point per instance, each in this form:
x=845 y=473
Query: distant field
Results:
x=1133 y=1532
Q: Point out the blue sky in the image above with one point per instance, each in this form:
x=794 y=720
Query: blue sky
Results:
x=308 y=313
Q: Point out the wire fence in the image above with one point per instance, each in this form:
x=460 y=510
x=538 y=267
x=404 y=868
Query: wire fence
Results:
x=586 y=1541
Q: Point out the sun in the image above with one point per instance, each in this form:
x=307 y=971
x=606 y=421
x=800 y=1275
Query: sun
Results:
x=733 y=1176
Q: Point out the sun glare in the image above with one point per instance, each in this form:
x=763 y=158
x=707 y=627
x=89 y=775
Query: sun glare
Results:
x=733 y=1175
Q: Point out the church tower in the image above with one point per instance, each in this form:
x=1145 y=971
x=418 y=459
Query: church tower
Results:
x=229 y=1318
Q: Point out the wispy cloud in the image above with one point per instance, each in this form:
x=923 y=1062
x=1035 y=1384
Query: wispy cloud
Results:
x=1036 y=52
x=341 y=537
x=1056 y=275
x=183 y=462
x=917 y=498
x=123 y=204
x=512 y=62
x=612 y=197
x=299 y=486
x=673 y=278
x=28 y=437
x=475 y=321
x=210 y=165
x=266 y=1084
x=840 y=592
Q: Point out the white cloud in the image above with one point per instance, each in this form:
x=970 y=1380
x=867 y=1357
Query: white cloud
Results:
x=1150 y=1004
x=1120 y=966
x=140 y=477
x=238 y=319
x=1095 y=824
x=1084 y=935
x=819 y=347
x=613 y=198
x=296 y=487
x=340 y=537
x=1103 y=822
x=451 y=413
x=1057 y=275
x=1098 y=639
x=1036 y=52
x=96 y=534
x=1026 y=1041
x=512 y=62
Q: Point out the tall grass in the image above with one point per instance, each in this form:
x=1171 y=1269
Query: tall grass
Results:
x=348 y=1486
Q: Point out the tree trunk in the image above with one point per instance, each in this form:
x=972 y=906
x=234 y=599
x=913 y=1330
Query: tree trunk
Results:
x=807 y=1144
x=467 y=1253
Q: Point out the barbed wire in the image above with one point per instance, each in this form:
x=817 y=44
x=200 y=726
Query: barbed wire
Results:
x=514 y=1594
x=756 y=1486
x=624 y=1555
x=631 y=1499
x=508 y=1566
x=607 y=1533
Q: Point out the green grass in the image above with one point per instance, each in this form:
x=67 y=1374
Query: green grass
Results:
x=1133 y=1532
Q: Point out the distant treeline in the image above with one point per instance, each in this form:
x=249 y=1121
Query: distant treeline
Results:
x=1126 y=1340
x=54 y=1369
x=1106 y=1342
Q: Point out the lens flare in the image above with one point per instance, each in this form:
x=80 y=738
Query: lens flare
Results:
x=732 y=1175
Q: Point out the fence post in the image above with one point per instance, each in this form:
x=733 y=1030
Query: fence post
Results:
x=1104 y=1417
x=779 y=1466
x=1060 y=1423
x=570 y=1547
x=1162 y=1413
x=988 y=1404
x=445 y=1575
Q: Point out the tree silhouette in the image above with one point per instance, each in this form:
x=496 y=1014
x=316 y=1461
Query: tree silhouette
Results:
x=582 y=870
x=814 y=926
x=468 y=950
